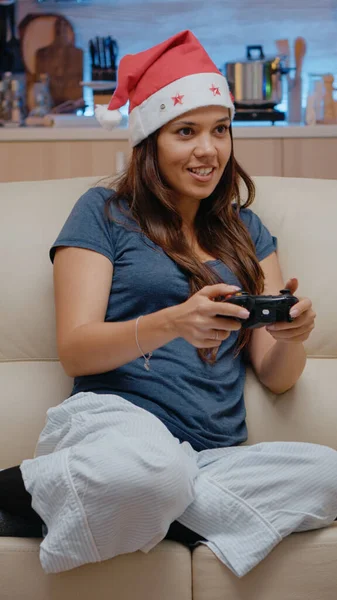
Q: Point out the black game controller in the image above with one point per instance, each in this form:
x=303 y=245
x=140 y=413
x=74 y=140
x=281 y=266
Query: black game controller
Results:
x=263 y=309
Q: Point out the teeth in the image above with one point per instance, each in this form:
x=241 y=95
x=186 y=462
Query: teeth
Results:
x=202 y=171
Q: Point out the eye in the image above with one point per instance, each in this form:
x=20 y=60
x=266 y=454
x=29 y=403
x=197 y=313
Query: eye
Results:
x=222 y=128
x=185 y=131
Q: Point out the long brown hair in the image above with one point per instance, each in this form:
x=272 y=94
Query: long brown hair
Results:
x=218 y=228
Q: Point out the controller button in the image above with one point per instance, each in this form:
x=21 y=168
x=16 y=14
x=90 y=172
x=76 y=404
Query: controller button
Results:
x=286 y=291
x=265 y=311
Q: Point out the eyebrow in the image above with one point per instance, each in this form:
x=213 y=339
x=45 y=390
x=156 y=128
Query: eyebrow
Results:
x=192 y=123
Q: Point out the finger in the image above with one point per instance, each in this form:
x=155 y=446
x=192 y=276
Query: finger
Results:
x=219 y=289
x=225 y=324
x=292 y=284
x=300 y=307
x=222 y=336
x=226 y=309
x=298 y=322
x=299 y=338
x=292 y=333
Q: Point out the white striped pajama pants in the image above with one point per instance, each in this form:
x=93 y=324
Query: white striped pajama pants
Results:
x=108 y=478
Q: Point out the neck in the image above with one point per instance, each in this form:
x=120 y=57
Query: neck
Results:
x=188 y=210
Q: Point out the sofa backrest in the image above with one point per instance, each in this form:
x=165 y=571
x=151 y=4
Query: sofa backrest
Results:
x=302 y=213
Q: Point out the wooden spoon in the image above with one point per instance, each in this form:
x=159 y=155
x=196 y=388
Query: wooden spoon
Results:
x=300 y=50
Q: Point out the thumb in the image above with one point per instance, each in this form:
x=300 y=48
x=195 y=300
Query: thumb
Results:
x=292 y=284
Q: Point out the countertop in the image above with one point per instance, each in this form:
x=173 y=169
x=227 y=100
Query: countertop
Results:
x=86 y=128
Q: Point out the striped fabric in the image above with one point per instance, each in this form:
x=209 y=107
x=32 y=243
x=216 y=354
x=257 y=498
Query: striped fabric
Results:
x=109 y=478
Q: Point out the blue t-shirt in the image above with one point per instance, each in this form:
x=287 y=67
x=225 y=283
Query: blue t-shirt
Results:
x=200 y=403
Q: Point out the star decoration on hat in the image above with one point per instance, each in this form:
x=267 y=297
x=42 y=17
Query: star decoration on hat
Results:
x=177 y=99
x=215 y=90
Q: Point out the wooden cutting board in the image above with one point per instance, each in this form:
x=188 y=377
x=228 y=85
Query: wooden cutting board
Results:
x=37 y=31
x=64 y=65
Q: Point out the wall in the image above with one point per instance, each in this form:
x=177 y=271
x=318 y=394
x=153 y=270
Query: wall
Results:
x=224 y=27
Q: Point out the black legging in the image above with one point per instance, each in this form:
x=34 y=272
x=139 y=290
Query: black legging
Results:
x=15 y=500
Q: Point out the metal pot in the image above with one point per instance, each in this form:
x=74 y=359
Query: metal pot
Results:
x=256 y=81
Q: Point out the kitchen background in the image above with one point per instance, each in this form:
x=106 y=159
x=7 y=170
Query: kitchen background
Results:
x=225 y=28
x=55 y=142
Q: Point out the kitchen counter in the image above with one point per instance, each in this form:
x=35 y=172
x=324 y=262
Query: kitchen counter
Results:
x=86 y=128
x=65 y=150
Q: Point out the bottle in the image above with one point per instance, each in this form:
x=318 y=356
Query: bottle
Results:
x=1 y=100
x=16 y=113
x=43 y=101
x=45 y=91
x=7 y=97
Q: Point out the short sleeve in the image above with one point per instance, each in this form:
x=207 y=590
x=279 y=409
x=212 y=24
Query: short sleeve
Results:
x=265 y=243
x=87 y=226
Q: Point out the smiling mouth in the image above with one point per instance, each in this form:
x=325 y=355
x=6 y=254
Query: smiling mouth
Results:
x=202 y=171
x=202 y=174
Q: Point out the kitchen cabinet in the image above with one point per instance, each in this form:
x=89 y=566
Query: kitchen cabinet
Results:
x=28 y=154
x=259 y=157
x=316 y=158
x=38 y=160
x=31 y=161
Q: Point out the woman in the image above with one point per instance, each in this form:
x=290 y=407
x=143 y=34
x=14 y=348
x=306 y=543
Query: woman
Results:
x=148 y=445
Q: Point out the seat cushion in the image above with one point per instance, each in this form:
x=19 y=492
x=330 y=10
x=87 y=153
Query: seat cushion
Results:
x=305 y=413
x=302 y=566
x=162 y=574
x=28 y=389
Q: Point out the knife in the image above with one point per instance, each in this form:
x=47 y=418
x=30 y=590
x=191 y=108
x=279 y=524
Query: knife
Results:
x=102 y=52
x=98 y=52
x=92 y=54
x=113 y=49
x=107 y=53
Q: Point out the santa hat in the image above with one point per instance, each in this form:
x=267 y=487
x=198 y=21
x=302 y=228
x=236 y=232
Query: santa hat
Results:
x=162 y=83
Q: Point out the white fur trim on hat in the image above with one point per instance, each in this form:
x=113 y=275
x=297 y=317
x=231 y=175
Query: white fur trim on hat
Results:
x=173 y=100
x=109 y=119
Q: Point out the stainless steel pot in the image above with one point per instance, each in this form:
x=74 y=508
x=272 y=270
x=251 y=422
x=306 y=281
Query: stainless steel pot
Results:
x=256 y=81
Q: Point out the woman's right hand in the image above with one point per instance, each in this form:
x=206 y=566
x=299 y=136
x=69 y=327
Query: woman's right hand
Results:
x=195 y=320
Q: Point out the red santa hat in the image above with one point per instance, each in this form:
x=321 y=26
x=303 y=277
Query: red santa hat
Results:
x=162 y=83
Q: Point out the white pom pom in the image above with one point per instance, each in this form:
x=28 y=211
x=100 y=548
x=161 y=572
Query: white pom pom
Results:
x=107 y=118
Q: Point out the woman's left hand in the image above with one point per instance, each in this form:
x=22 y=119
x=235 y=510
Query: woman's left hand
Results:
x=304 y=319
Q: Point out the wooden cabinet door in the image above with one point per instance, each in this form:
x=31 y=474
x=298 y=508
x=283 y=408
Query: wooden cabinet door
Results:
x=36 y=161
x=259 y=156
x=310 y=157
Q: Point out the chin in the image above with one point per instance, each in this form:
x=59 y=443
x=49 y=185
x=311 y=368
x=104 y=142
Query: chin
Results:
x=204 y=193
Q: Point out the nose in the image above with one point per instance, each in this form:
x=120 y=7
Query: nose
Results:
x=204 y=147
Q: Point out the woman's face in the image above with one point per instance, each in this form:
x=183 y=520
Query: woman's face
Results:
x=193 y=151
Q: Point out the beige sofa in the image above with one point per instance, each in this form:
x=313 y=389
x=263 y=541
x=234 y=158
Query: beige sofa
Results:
x=303 y=214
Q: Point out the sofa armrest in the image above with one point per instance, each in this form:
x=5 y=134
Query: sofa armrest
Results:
x=306 y=413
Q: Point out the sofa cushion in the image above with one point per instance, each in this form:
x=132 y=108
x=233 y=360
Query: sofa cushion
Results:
x=302 y=566
x=162 y=574
x=302 y=213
